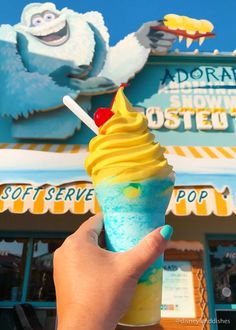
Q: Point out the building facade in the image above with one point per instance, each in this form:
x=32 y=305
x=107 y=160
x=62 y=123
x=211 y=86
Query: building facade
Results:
x=189 y=100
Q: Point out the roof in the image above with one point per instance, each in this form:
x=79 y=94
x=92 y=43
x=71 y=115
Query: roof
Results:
x=197 y=52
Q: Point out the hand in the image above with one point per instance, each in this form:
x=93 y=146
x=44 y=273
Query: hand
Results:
x=80 y=72
x=157 y=41
x=94 y=85
x=94 y=286
x=63 y=75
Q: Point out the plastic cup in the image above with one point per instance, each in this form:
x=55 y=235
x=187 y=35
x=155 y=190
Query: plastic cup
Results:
x=132 y=210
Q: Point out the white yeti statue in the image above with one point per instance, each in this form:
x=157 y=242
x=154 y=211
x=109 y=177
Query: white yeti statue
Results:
x=54 y=52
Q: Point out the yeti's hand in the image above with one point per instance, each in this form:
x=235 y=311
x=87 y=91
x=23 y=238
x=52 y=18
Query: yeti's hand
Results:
x=157 y=41
x=63 y=75
x=93 y=85
x=80 y=72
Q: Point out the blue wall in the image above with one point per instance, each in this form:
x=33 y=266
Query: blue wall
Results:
x=144 y=91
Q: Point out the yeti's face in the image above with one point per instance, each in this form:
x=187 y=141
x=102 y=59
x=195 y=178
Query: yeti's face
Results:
x=50 y=28
x=49 y=38
x=47 y=24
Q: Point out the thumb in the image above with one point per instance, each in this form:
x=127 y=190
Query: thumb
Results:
x=148 y=250
x=90 y=230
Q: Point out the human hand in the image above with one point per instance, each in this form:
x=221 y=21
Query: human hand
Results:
x=95 y=286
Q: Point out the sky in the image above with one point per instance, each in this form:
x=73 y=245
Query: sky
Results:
x=125 y=16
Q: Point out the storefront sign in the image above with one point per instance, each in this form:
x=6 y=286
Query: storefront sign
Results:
x=79 y=198
x=78 y=193
x=192 y=195
x=196 y=98
x=68 y=193
x=203 y=119
x=178 y=292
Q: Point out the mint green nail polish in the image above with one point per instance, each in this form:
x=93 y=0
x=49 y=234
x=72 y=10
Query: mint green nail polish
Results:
x=166 y=232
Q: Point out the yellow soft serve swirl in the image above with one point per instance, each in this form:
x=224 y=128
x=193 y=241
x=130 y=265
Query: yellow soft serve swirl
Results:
x=124 y=150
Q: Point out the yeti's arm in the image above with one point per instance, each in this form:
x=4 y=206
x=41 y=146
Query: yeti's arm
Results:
x=23 y=92
x=128 y=57
x=124 y=60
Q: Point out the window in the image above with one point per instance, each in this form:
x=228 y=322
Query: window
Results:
x=26 y=275
x=12 y=265
x=223 y=269
x=41 y=286
x=226 y=320
x=222 y=265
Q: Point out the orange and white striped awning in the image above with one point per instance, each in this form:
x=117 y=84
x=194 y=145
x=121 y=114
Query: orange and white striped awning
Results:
x=76 y=198
x=79 y=198
x=201 y=201
x=185 y=151
x=70 y=148
x=202 y=152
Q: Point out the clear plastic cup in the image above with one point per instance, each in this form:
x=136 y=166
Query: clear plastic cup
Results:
x=132 y=210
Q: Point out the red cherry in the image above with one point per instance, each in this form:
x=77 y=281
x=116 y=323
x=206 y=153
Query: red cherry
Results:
x=102 y=115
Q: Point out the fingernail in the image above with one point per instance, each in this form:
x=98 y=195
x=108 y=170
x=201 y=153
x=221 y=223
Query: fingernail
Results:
x=166 y=232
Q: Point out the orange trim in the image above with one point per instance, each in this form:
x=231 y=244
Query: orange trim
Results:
x=18 y=205
x=96 y=206
x=4 y=145
x=61 y=148
x=18 y=145
x=220 y=204
x=79 y=206
x=224 y=152
x=181 y=205
x=201 y=208
x=47 y=147
x=75 y=149
x=195 y=152
x=58 y=207
x=32 y=146
x=179 y=151
x=1 y=201
x=209 y=152
x=233 y=148
x=38 y=207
